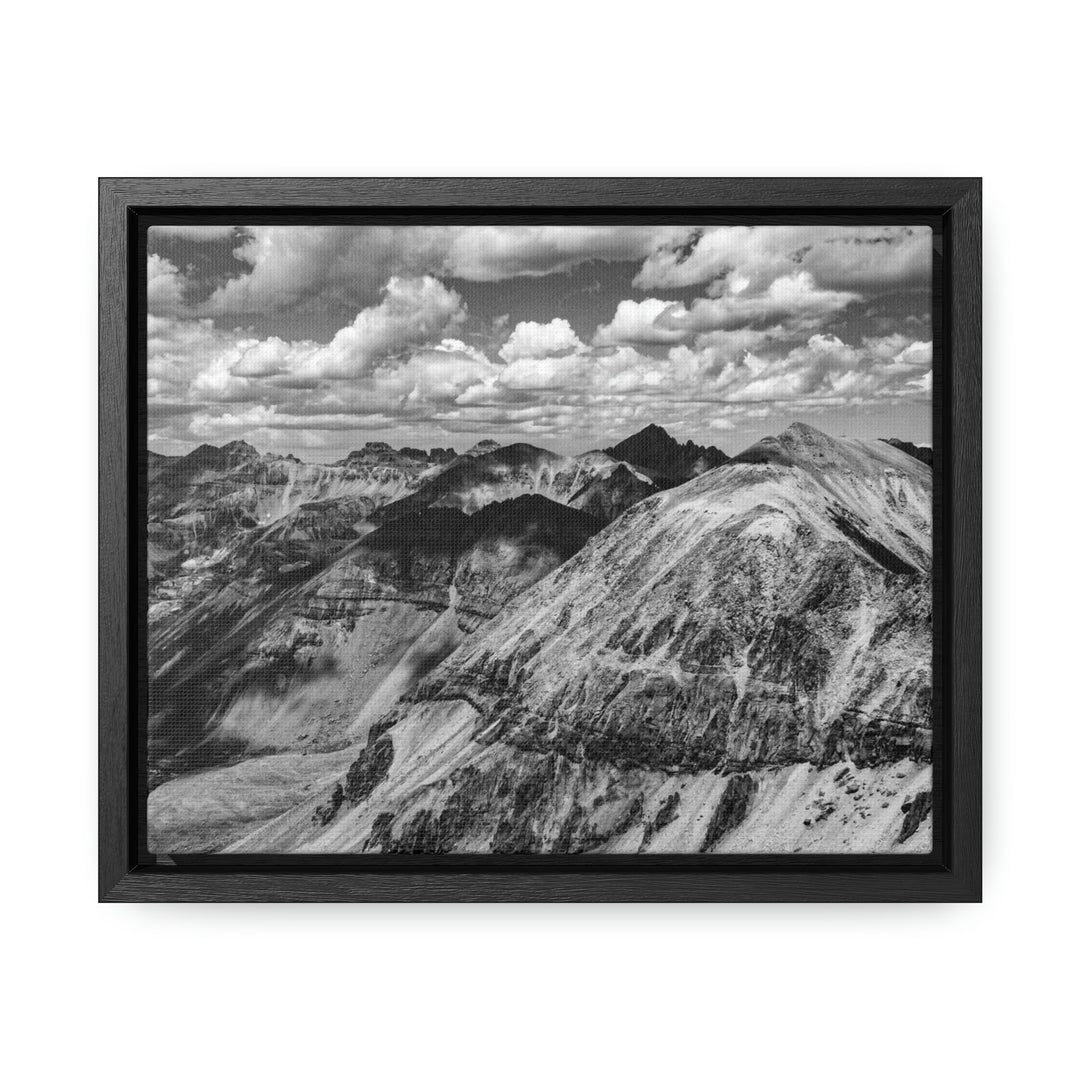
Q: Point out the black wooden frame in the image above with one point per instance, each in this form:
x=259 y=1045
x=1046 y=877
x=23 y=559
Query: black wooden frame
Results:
x=953 y=872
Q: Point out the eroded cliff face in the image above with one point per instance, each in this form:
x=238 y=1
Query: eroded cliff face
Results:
x=748 y=651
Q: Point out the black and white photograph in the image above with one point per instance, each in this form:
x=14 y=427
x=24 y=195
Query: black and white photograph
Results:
x=607 y=539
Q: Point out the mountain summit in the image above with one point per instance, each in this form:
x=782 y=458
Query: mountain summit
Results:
x=654 y=449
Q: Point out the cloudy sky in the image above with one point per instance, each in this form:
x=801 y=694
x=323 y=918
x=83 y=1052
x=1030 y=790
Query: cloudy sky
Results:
x=315 y=339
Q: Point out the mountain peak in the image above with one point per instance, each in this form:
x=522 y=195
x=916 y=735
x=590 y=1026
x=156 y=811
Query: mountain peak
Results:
x=216 y=456
x=484 y=446
x=655 y=449
x=801 y=432
x=796 y=442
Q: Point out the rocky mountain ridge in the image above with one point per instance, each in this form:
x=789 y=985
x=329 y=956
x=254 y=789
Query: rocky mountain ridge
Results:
x=528 y=653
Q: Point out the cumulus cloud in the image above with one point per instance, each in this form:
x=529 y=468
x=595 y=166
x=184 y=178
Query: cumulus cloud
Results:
x=498 y=252
x=165 y=286
x=637 y=322
x=827 y=369
x=412 y=311
x=286 y=266
x=786 y=306
x=750 y=257
x=530 y=339
x=795 y=298
x=771 y=320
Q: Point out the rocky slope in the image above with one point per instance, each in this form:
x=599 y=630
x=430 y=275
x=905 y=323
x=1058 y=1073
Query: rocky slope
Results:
x=236 y=537
x=309 y=661
x=738 y=663
x=925 y=454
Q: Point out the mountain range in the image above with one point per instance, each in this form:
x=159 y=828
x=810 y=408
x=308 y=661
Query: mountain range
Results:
x=651 y=648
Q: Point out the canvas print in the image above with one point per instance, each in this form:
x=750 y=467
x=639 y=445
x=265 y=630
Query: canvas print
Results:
x=591 y=540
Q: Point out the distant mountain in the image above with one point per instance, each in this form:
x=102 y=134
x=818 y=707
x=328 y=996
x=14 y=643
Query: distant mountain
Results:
x=925 y=454
x=380 y=453
x=484 y=446
x=473 y=481
x=204 y=501
x=740 y=663
x=654 y=449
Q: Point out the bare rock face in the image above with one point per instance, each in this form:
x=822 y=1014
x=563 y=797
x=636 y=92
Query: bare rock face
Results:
x=732 y=809
x=915 y=813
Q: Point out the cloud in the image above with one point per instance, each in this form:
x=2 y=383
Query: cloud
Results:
x=544 y=373
x=795 y=298
x=778 y=320
x=530 y=339
x=788 y=305
x=847 y=258
x=280 y=268
x=828 y=370
x=289 y=266
x=260 y=359
x=498 y=252
x=637 y=322
x=413 y=311
x=165 y=286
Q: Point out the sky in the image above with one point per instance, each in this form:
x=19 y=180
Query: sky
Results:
x=313 y=340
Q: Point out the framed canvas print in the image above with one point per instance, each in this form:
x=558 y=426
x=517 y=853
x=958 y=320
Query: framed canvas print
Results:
x=560 y=540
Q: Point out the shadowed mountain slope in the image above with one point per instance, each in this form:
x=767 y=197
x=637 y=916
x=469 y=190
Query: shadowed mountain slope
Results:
x=654 y=449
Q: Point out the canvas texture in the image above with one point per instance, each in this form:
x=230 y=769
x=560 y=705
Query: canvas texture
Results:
x=549 y=540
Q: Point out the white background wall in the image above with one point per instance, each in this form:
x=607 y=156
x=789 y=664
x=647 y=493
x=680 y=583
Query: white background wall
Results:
x=555 y=89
